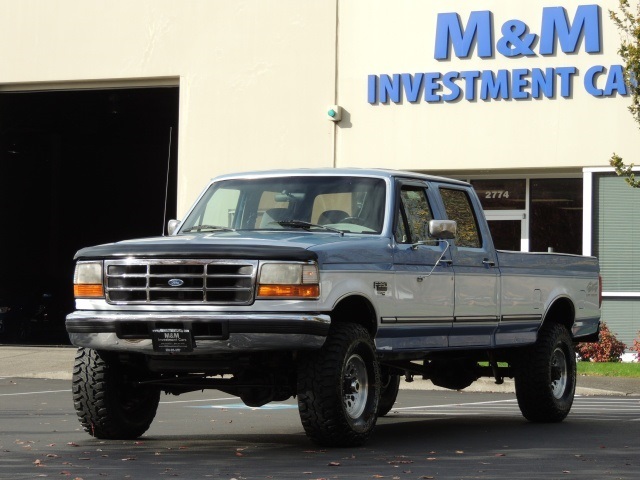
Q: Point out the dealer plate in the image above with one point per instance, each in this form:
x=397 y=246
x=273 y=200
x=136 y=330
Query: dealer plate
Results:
x=171 y=340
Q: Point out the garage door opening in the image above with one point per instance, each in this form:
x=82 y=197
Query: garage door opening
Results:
x=77 y=168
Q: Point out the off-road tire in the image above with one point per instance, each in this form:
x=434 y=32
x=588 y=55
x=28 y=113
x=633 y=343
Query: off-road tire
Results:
x=109 y=406
x=545 y=377
x=389 y=388
x=339 y=388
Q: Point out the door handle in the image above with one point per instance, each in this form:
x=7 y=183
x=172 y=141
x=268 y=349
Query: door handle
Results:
x=448 y=261
x=488 y=263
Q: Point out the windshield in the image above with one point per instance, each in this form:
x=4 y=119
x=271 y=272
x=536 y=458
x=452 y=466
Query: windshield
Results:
x=322 y=203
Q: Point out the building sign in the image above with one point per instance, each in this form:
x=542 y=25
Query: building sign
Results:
x=558 y=34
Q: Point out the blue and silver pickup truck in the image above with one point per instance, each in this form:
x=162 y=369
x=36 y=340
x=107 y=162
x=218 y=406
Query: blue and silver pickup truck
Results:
x=329 y=286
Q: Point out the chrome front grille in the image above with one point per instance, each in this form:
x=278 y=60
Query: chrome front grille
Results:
x=217 y=282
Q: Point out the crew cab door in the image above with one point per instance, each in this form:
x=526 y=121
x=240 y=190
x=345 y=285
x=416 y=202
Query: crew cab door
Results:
x=476 y=310
x=423 y=287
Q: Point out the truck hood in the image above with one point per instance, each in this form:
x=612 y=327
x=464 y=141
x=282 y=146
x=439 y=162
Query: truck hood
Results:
x=324 y=247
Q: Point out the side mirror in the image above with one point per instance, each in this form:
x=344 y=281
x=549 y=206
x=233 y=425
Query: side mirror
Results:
x=172 y=226
x=442 y=229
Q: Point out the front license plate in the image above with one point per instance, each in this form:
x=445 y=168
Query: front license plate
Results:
x=172 y=340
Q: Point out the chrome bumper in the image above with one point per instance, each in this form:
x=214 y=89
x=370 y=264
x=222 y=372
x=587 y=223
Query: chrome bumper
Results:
x=212 y=333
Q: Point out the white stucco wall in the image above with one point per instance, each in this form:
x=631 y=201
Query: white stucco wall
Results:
x=399 y=37
x=256 y=77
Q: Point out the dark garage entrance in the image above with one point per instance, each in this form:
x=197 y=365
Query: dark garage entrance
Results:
x=77 y=168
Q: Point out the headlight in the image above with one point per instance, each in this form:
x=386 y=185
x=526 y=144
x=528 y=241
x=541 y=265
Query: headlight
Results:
x=87 y=280
x=290 y=280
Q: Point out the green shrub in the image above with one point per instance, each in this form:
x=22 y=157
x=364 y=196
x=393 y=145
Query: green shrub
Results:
x=608 y=349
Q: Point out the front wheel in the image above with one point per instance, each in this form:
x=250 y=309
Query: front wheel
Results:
x=546 y=378
x=108 y=405
x=339 y=388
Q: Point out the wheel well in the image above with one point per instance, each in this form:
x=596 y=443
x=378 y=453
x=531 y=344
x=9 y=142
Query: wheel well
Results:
x=562 y=312
x=356 y=309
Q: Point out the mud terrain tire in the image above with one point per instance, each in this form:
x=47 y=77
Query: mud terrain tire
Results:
x=546 y=376
x=108 y=406
x=339 y=388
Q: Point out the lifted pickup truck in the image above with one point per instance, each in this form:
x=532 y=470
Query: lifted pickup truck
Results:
x=329 y=286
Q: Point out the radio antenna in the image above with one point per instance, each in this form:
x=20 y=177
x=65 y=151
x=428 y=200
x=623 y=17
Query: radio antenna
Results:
x=166 y=187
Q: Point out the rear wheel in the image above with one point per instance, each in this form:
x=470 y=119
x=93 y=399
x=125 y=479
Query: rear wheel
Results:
x=339 y=388
x=389 y=388
x=108 y=405
x=546 y=376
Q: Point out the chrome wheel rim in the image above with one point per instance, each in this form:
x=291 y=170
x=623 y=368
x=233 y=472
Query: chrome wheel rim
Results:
x=356 y=386
x=559 y=373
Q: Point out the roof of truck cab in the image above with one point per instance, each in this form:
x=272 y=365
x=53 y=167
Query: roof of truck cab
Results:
x=358 y=172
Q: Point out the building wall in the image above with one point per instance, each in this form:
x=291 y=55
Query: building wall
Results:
x=386 y=38
x=256 y=79
x=254 y=76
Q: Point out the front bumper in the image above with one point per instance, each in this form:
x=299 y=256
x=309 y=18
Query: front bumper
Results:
x=129 y=331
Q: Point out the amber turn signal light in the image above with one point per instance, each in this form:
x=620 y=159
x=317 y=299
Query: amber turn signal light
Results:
x=88 y=290
x=290 y=291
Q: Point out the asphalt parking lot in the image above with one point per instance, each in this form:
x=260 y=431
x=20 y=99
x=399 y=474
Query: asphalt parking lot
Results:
x=430 y=433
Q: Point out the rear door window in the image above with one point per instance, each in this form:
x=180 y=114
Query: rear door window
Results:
x=458 y=207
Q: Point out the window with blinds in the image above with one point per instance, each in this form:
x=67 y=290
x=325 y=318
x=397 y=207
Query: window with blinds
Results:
x=617 y=233
x=616 y=242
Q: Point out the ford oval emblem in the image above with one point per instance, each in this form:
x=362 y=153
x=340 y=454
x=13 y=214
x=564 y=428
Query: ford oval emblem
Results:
x=176 y=282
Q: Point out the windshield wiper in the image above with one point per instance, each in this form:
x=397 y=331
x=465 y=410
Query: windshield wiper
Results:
x=208 y=227
x=307 y=226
